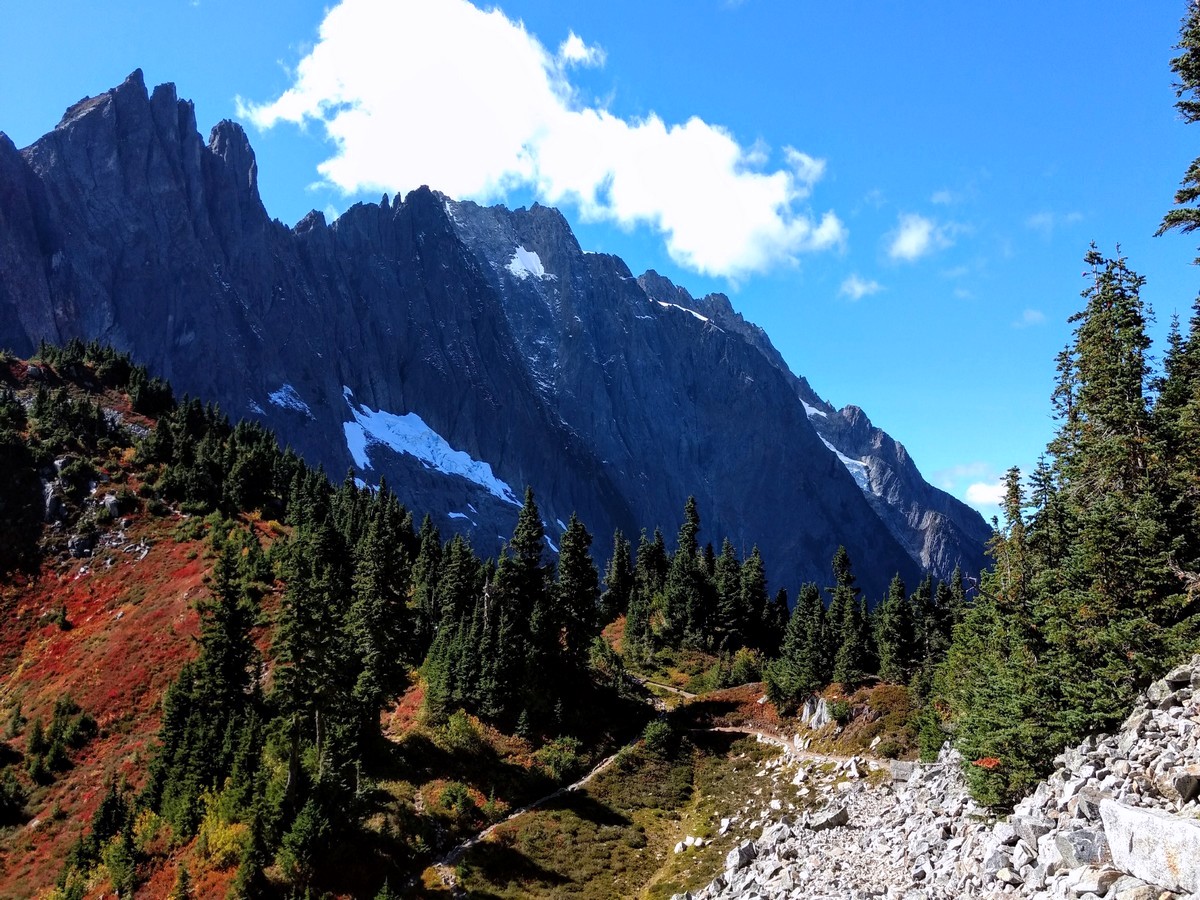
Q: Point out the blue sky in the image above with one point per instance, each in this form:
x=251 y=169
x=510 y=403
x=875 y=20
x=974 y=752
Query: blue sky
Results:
x=900 y=194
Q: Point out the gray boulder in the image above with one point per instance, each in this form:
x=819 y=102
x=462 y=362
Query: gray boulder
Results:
x=1083 y=847
x=1156 y=846
x=740 y=856
x=829 y=818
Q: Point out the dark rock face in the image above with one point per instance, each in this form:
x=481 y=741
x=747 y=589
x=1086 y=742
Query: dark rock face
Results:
x=935 y=529
x=460 y=351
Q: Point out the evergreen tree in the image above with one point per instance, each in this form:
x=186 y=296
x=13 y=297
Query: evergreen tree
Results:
x=895 y=635
x=1114 y=577
x=618 y=579
x=1186 y=66
x=377 y=620
x=687 y=594
x=638 y=643
x=999 y=696
x=846 y=625
x=1177 y=430
x=775 y=622
x=425 y=575
x=729 y=627
x=577 y=592
x=229 y=659
x=754 y=600
x=800 y=669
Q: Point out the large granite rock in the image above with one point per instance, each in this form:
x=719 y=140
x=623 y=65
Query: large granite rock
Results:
x=1154 y=845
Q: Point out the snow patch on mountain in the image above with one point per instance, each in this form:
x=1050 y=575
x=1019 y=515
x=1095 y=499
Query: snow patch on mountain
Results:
x=287 y=398
x=409 y=434
x=525 y=263
x=666 y=305
x=856 y=467
x=812 y=411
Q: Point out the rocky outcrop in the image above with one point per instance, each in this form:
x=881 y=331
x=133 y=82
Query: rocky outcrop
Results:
x=937 y=530
x=1121 y=811
x=1118 y=820
x=461 y=352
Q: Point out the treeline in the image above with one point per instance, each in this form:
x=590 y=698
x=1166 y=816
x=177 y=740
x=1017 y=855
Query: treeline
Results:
x=270 y=737
x=1095 y=573
x=692 y=598
x=900 y=640
x=1097 y=567
x=1092 y=590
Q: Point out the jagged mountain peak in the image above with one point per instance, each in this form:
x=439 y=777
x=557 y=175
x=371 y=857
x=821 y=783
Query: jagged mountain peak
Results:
x=460 y=350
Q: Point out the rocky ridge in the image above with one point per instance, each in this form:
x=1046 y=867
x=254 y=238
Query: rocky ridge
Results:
x=459 y=351
x=1118 y=820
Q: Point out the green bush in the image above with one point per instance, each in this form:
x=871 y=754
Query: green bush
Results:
x=889 y=749
x=461 y=735
x=747 y=667
x=12 y=796
x=560 y=758
x=661 y=739
x=840 y=711
x=457 y=797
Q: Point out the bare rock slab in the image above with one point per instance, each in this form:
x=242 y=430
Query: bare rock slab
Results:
x=1155 y=846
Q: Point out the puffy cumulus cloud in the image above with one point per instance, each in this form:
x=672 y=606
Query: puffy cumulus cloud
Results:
x=856 y=287
x=985 y=493
x=440 y=92
x=916 y=236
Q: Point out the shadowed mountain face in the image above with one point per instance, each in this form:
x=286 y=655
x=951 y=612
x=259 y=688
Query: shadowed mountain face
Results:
x=461 y=352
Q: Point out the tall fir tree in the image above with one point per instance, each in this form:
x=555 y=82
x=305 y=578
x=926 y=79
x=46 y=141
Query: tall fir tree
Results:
x=578 y=594
x=801 y=668
x=618 y=579
x=895 y=634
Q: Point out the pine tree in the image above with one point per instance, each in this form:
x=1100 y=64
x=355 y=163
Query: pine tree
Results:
x=229 y=659
x=1114 y=577
x=846 y=625
x=1176 y=422
x=638 y=642
x=577 y=593
x=686 y=609
x=377 y=620
x=754 y=599
x=729 y=627
x=775 y=622
x=425 y=575
x=1186 y=217
x=895 y=635
x=618 y=579
x=800 y=669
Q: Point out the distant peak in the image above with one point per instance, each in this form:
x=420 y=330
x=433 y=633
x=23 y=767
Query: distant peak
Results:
x=134 y=79
x=659 y=287
x=133 y=87
x=228 y=141
x=312 y=220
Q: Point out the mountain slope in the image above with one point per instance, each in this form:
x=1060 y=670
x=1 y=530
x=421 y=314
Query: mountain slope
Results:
x=935 y=529
x=460 y=351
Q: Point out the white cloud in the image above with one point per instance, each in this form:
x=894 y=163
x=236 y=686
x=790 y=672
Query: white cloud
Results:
x=856 y=288
x=944 y=197
x=947 y=479
x=1030 y=317
x=916 y=236
x=574 y=52
x=470 y=103
x=985 y=493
